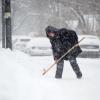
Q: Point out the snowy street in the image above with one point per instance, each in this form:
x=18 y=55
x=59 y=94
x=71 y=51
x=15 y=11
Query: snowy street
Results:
x=34 y=33
x=21 y=79
x=69 y=87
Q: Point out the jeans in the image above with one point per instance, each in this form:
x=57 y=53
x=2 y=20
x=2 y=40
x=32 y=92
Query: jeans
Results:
x=74 y=66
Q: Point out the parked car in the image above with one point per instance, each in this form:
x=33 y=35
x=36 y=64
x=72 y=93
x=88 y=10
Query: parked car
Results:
x=42 y=47
x=90 y=46
x=39 y=46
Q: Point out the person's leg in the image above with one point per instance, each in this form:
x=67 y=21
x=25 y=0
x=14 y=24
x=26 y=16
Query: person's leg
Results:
x=59 y=69
x=75 y=67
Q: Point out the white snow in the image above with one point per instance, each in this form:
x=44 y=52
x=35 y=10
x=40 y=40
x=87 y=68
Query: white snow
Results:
x=40 y=42
x=21 y=78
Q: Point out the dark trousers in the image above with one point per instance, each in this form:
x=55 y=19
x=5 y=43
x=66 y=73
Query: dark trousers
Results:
x=60 y=66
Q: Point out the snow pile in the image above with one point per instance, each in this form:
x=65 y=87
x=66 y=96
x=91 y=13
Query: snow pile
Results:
x=16 y=82
x=16 y=78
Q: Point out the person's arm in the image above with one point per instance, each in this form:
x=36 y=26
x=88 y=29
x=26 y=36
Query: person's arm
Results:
x=55 y=49
x=56 y=52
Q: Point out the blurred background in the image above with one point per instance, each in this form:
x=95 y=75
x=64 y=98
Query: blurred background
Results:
x=30 y=17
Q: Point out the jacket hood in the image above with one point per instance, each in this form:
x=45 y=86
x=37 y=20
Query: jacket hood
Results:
x=51 y=29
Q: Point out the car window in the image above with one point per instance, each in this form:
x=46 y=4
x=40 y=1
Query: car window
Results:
x=90 y=46
x=33 y=47
x=41 y=48
x=24 y=40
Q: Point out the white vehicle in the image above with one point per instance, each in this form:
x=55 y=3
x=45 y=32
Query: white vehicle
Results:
x=42 y=47
x=20 y=42
x=39 y=46
x=90 y=46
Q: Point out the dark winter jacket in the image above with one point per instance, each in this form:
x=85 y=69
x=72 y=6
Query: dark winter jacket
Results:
x=63 y=41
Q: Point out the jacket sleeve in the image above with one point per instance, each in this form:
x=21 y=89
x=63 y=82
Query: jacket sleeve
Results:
x=56 y=53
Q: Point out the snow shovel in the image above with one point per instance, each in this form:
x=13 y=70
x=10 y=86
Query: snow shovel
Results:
x=46 y=70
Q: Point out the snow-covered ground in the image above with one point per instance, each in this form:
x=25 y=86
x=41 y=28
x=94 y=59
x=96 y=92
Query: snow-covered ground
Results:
x=21 y=78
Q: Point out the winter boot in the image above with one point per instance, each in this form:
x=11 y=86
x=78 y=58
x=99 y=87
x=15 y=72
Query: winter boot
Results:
x=75 y=67
x=58 y=77
x=79 y=75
